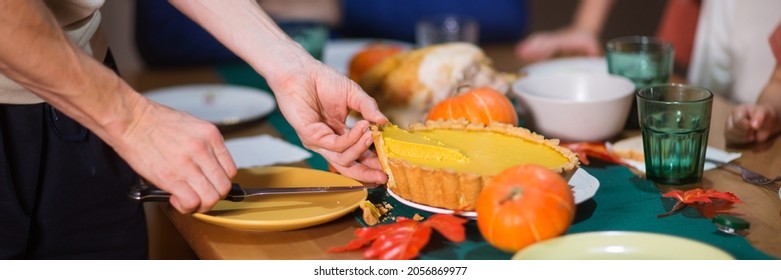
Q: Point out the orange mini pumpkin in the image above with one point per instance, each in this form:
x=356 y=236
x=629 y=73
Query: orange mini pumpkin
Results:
x=369 y=56
x=480 y=105
x=522 y=205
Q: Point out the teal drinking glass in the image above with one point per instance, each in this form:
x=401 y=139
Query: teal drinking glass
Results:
x=311 y=35
x=643 y=60
x=675 y=121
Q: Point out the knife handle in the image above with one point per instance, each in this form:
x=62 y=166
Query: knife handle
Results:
x=150 y=193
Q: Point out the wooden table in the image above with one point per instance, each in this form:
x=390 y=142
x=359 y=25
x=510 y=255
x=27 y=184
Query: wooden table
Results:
x=762 y=207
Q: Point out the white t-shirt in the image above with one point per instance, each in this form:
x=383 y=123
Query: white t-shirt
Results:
x=80 y=20
x=731 y=53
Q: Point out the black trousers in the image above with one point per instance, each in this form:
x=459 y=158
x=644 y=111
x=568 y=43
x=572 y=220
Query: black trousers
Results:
x=63 y=191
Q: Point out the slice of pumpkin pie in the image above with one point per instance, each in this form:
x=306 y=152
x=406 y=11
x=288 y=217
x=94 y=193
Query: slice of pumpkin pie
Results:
x=446 y=163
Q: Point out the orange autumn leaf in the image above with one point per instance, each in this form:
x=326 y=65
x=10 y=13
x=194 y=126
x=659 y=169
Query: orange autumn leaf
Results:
x=700 y=195
x=403 y=239
x=597 y=150
x=701 y=199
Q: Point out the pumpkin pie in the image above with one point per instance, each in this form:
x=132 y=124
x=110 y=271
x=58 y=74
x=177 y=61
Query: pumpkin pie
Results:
x=446 y=163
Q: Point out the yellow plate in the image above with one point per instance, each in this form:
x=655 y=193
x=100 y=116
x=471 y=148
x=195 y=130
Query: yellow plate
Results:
x=618 y=245
x=288 y=211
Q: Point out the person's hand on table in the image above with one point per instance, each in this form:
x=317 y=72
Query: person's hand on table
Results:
x=751 y=123
x=579 y=38
x=757 y=123
x=545 y=45
x=316 y=101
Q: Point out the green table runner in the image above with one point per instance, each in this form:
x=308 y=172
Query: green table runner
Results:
x=624 y=202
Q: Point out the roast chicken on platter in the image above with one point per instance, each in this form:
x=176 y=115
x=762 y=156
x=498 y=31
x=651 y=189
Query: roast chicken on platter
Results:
x=408 y=83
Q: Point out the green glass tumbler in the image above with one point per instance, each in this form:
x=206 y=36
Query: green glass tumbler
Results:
x=642 y=59
x=311 y=35
x=675 y=121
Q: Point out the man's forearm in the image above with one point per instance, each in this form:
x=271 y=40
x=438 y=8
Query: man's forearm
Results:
x=591 y=15
x=245 y=29
x=39 y=56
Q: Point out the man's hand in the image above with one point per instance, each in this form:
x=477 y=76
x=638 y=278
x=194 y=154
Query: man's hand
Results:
x=180 y=154
x=316 y=102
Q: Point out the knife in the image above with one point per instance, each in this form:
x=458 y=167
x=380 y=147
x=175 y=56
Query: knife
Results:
x=147 y=193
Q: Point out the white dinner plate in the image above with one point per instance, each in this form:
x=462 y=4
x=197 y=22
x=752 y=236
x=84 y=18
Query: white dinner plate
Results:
x=568 y=65
x=620 y=245
x=338 y=53
x=217 y=103
x=584 y=186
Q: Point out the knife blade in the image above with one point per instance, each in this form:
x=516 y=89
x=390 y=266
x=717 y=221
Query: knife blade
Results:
x=147 y=192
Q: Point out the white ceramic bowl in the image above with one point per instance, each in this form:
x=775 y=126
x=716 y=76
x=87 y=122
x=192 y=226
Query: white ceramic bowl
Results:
x=575 y=106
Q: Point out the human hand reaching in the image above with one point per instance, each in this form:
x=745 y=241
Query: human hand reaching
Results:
x=316 y=101
x=314 y=98
x=564 y=42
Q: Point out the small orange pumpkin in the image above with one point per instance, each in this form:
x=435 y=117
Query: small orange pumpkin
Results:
x=480 y=105
x=369 y=56
x=522 y=205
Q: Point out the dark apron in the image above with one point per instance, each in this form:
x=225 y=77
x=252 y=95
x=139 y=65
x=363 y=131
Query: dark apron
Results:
x=63 y=191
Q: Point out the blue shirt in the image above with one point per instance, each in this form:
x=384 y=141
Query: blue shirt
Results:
x=166 y=37
x=499 y=20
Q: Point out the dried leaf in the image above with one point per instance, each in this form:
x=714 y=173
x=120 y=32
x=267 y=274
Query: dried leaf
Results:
x=403 y=242
x=702 y=199
x=446 y=225
x=403 y=239
x=597 y=150
x=371 y=215
x=700 y=195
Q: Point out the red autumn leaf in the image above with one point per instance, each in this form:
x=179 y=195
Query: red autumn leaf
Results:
x=702 y=199
x=402 y=243
x=597 y=150
x=403 y=239
x=446 y=225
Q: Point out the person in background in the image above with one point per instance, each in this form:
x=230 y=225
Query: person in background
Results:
x=498 y=20
x=758 y=122
x=580 y=38
x=677 y=25
x=166 y=38
x=730 y=55
x=73 y=134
